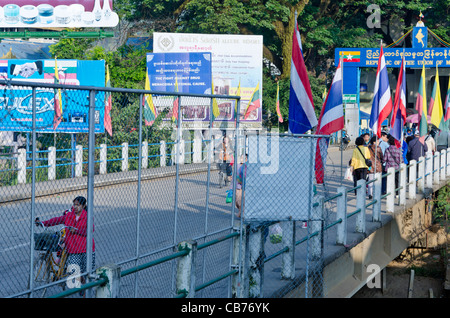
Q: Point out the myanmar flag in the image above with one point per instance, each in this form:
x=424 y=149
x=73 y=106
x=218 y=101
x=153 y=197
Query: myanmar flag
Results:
x=280 y=118
x=108 y=104
x=254 y=103
x=57 y=101
x=351 y=56
x=437 y=115
x=421 y=104
x=149 y=107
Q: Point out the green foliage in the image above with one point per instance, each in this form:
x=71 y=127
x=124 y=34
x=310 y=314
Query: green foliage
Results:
x=442 y=204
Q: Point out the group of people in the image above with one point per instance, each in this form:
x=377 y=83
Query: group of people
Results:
x=372 y=155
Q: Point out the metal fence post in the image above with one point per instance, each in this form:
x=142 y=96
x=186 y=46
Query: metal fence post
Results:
x=341 y=214
x=443 y=163
x=288 y=258
x=103 y=159
x=186 y=269
x=436 y=166
x=125 y=156
x=361 y=204
x=79 y=161
x=402 y=184
x=112 y=288
x=144 y=154
x=390 y=189
x=421 y=175
x=22 y=166
x=51 y=163
x=412 y=179
x=376 y=212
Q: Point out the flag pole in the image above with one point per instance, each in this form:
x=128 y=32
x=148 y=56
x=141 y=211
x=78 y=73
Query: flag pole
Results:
x=341 y=61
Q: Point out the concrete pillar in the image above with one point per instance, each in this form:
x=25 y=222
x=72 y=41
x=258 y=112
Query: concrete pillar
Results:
x=255 y=262
x=436 y=166
x=112 y=288
x=197 y=147
x=237 y=281
x=125 y=156
x=390 y=190
x=376 y=212
x=51 y=163
x=22 y=166
x=144 y=152
x=288 y=258
x=421 y=175
x=448 y=162
x=162 y=153
x=78 y=161
x=443 y=163
x=341 y=235
x=186 y=269
x=361 y=204
x=402 y=184
x=412 y=179
x=103 y=158
x=316 y=222
x=429 y=171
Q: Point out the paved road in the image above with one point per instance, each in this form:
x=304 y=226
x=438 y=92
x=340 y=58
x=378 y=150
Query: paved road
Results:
x=116 y=230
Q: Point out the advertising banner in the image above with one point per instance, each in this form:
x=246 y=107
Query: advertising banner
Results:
x=184 y=73
x=236 y=62
x=16 y=104
x=57 y=14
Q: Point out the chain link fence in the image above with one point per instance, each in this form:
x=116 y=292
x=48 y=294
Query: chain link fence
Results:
x=150 y=186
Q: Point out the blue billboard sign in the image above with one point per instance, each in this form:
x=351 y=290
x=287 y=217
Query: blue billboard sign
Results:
x=16 y=104
x=184 y=73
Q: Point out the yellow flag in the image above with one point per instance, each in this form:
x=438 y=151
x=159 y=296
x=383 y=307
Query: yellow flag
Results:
x=437 y=113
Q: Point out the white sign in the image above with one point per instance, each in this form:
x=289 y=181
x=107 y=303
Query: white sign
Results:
x=236 y=59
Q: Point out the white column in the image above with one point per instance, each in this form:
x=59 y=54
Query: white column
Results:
x=361 y=204
x=144 y=155
x=376 y=213
x=402 y=184
x=341 y=235
x=412 y=179
x=421 y=171
x=22 y=166
x=103 y=158
x=125 y=156
x=443 y=163
x=162 y=153
x=429 y=171
x=436 y=166
x=78 y=160
x=390 y=189
x=51 y=163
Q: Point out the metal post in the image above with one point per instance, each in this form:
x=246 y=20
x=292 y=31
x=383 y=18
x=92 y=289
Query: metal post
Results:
x=103 y=158
x=90 y=185
x=390 y=189
x=341 y=235
x=412 y=179
x=162 y=153
x=51 y=163
x=125 y=156
x=79 y=161
x=361 y=204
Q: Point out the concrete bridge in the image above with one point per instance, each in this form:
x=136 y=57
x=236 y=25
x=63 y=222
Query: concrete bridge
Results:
x=356 y=243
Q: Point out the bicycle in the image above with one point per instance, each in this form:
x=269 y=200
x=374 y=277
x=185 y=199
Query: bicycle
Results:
x=223 y=177
x=50 y=257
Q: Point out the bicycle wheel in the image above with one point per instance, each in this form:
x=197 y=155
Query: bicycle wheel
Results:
x=42 y=272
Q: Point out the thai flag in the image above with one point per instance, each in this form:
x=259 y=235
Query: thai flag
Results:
x=331 y=120
x=382 y=101
x=399 y=114
x=301 y=107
